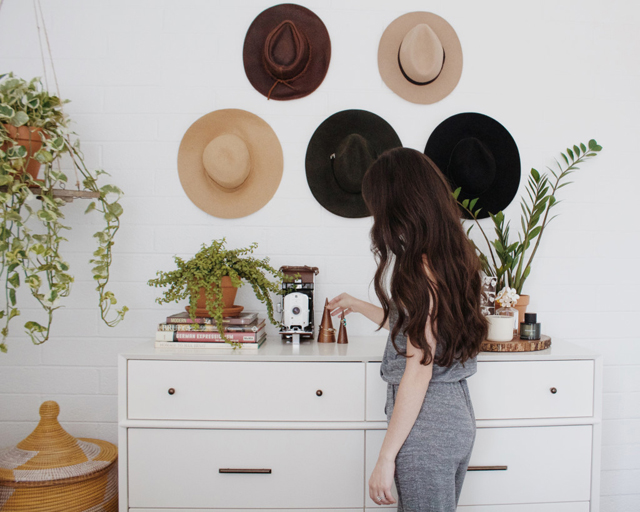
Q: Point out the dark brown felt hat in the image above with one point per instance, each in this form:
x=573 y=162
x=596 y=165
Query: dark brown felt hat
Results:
x=478 y=155
x=339 y=153
x=230 y=163
x=286 y=52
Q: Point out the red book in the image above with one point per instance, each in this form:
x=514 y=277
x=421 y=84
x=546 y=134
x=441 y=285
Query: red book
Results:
x=208 y=336
x=183 y=318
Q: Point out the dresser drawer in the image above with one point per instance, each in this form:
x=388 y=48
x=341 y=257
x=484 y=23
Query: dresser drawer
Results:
x=544 y=465
x=581 y=506
x=180 y=468
x=260 y=391
x=532 y=389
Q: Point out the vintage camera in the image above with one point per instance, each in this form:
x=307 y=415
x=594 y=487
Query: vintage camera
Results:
x=297 y=303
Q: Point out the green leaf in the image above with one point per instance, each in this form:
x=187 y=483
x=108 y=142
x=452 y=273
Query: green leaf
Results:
x=570 y=153
x=14 y=311
x=465 y=203
x=19 y=119
x=5 y=179
x=593 y=146
x=14 y=280
x=535 y=174
x=473 y=203
x=565 y=158
x=456 y=193
x=583 y=147
x=92 y=206
x=535 y=232
x=116 y=209
x=34 y=327
x=6 y=112
x=576 y=150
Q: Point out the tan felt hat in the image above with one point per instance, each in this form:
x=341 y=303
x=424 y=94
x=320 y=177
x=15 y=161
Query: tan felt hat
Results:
x=420 y=57
x=230 y=163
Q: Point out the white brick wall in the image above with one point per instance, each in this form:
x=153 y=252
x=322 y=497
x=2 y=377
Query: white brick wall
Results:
x=139 y=72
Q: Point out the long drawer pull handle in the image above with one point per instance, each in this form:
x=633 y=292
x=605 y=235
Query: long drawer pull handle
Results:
x=244 y=470
x=487 y=468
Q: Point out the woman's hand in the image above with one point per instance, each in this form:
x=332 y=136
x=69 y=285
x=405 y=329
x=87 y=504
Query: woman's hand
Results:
x=348 y=304
x=343 y=302
x=381 y=481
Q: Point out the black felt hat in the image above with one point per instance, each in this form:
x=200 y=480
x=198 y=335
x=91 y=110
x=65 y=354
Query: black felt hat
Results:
x=476 y=153
x=339 y=153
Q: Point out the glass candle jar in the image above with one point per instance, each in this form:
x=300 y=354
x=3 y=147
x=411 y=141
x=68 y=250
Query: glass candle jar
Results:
x=513 y=313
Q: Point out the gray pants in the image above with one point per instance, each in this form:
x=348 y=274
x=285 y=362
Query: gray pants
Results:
x=432 y=463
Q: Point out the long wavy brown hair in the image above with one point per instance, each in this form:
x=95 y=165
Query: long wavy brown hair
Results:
x=416 y=222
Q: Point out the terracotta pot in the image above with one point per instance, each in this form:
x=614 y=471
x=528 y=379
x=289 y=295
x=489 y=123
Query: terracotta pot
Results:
x=228 y=294
x=29 y=138
x=521 y=306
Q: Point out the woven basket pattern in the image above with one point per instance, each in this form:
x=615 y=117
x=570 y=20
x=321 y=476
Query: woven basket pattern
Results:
x=52 y=471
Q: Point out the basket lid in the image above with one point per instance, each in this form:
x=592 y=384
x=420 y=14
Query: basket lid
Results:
x=51 y=453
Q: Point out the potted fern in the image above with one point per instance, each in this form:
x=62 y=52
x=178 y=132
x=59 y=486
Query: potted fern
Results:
x=35 y=131
x=212 y=269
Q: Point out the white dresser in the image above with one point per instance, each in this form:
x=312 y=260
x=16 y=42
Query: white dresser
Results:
x=298 y=429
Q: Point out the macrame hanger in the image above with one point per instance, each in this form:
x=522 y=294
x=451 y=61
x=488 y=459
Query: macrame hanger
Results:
x=37 y=7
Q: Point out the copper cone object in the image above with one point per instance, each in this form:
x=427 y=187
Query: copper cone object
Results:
x=342 y=333
x=327 y=333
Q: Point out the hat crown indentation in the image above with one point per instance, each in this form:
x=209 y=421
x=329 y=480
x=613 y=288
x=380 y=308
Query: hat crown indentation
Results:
x=227 y=160
x=286 y=51
x=472 y=166
x=421 y=55
x=352 y=159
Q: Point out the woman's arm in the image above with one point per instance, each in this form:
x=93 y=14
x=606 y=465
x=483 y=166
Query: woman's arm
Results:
x=347 y=303
x=409 y=399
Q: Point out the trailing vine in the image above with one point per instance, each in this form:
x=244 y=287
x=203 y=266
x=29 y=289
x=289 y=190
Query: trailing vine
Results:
x=31 y=230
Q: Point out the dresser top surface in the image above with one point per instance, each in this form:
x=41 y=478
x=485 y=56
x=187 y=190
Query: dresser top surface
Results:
x=359 y=348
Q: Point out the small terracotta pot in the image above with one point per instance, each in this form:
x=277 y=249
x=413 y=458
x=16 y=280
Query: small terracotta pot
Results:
x=228 y=294
x=521 y=306
x=29 y=138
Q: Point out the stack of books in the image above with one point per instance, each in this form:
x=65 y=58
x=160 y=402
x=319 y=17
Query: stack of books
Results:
x=179 y=331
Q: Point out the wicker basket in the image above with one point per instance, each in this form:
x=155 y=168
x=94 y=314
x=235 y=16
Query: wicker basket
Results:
x=52 y=471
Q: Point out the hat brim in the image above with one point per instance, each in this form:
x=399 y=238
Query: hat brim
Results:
x=380 y=136
x=390 y=69
x=497 y=139
x=311 y=25
x=266 y=164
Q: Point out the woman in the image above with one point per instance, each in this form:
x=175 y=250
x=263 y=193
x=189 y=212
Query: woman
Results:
x=431 y=305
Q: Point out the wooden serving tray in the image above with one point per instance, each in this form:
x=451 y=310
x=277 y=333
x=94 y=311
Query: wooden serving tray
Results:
x=516 y=345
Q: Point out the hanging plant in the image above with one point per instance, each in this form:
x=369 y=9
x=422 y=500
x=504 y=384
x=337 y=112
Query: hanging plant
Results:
x=31 y=217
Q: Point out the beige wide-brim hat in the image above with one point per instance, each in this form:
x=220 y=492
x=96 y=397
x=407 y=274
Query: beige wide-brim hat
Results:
x=420 y=57
x=230 y=163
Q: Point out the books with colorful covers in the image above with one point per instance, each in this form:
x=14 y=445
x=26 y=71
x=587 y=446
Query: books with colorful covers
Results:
x=183 y=318
x=210 y=345
x=210 y=336
x=254 y=326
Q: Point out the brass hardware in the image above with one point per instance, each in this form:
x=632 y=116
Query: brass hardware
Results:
x=319 y=392
x=171 y=391
x=487 y=468
x=240 y=470
x=553 y=390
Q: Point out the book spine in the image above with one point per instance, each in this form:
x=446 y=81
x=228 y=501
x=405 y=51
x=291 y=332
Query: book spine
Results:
x=181 y=336
x=209 y=327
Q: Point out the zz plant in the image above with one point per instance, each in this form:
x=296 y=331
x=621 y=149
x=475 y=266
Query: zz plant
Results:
x=206 y=270
x=31 y=225
x=508 y=260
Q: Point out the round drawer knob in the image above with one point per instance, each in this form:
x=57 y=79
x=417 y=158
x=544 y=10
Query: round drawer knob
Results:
x=319 y=392
x=171 y=391
x=553 y=390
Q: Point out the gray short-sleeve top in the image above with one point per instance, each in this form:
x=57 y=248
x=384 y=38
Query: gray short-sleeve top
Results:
x=393 y=364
